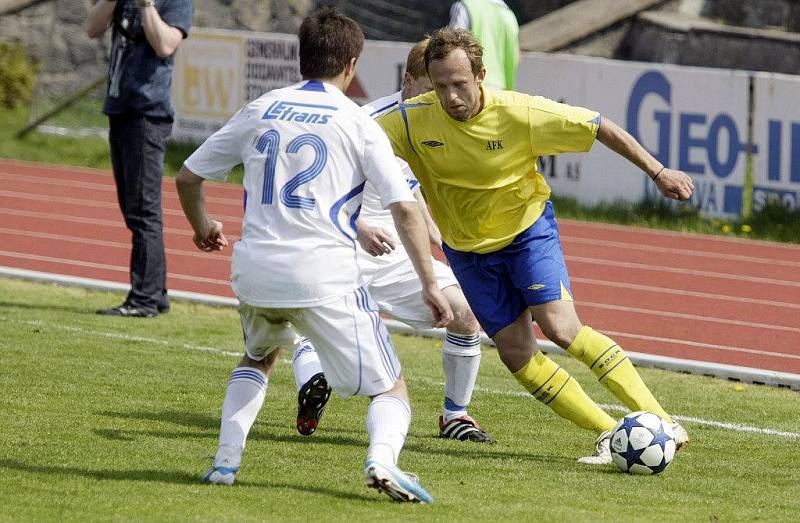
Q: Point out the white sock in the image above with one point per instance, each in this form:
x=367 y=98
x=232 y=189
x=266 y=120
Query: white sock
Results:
x=461 y=358
x=305 y=363
x=388 y=418
x=243 y=400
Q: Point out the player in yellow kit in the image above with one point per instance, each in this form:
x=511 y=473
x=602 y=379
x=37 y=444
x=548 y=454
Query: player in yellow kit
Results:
x=474 y=151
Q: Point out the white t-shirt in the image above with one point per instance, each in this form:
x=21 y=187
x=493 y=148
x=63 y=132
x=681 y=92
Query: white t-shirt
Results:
x=371 y=209
x=307 y=151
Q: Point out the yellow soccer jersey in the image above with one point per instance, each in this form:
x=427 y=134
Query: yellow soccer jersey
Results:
x=480 y=176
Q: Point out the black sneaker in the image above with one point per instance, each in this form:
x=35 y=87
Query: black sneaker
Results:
x=463 y=428
x=311 y=401
x=128 y=311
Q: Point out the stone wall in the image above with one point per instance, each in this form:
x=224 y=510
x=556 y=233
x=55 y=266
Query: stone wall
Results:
x=410 y=20
x=52 y=31
x=527 y=10
x=53 y=34
x=396 y=20
x=759 y=14
x=670 y=38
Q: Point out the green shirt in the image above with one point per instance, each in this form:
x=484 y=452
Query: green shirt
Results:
x=496 y=28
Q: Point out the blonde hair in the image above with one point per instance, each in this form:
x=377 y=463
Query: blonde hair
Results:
x=415 y=64
x=447 y=39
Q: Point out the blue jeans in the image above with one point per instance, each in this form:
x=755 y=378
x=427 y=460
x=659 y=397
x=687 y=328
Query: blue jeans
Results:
x=138 y=144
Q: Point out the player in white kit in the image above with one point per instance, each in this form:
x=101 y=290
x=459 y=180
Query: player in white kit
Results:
x=393 y=284
x=307 y=152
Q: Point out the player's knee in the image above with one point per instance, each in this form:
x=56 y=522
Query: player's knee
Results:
x=398 y=390
x=515 y=352
x=264 y=364
x=464 y=321
x=560 y=332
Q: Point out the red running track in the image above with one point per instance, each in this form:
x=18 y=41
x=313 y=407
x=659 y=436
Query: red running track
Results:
x=697 y=297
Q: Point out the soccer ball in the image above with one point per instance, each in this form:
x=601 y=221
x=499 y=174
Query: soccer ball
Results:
x=642 y=443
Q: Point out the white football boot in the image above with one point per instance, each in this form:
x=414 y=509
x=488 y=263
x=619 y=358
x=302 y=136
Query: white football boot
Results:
x=681 y=436
x=602 y=455
x=399 y=485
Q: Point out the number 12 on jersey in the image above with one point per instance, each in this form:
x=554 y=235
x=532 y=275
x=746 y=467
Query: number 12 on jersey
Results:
x=269 y=144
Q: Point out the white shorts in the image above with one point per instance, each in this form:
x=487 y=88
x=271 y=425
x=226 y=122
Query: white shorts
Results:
x=395 y=286
x=354 y=347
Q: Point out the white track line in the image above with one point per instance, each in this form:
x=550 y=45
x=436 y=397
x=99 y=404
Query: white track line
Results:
x=735 y=427
x=634 y=229
x=32 y=180
x=57 y=218
x=719 y=370
x=114 y=224
x=114 y=268
x=123 y=337
x=102 y=205
x=594 y=261
x=226 y=258
x=636 y=246
x=710 y=346
x=117 y=224
x=689 y=317
x=168 y=189
x=681 y=271
x=68 y=169
x=194 y=253
x=579 y=224
x=226 y=284
x=679 y=292
x=168 y=186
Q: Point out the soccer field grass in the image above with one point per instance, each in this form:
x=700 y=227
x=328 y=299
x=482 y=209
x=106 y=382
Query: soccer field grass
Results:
x=116 y=419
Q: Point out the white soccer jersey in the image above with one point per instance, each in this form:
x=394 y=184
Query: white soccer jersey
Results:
x=307 y=151
x=371 y=210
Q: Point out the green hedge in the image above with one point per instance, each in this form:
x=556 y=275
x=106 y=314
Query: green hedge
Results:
x=17 y=76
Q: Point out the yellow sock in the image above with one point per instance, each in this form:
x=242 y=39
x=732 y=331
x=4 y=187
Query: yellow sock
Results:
x=614 y=370
x=554 y=387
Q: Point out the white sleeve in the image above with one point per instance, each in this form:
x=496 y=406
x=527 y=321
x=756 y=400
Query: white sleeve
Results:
x=222 y=150
x=413 y=184
x=459 y=17
x=381 y=166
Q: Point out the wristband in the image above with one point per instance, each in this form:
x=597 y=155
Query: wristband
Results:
x=146 y=3
x=659 y=172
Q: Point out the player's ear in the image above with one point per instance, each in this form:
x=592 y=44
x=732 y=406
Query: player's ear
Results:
x=349 y=72
x=408 y=79
x=481 y=74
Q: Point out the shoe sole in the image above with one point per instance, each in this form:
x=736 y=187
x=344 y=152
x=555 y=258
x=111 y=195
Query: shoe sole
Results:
x=682 y=444
x=311 y=401
x=589 y=461
x=389 y=486
x=465 y=432
x=475 y=436
x=215 y=477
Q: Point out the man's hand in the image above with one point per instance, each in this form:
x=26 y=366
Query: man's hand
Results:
x=374 y=240
x=433 y=297
x=211 y=238
x=673 y=184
